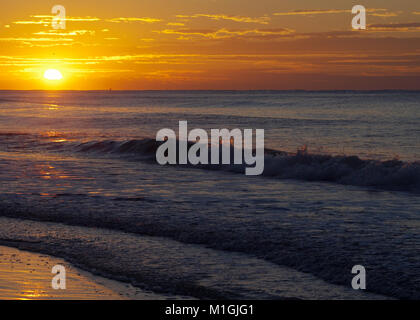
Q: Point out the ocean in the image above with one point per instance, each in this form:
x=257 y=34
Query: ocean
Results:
x=340 y=188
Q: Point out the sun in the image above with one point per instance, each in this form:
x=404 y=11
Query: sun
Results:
x=53 y=74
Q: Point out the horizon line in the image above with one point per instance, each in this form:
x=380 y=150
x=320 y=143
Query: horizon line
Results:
x=180 y=90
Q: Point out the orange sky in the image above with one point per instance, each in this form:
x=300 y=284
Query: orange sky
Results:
x=211 y=44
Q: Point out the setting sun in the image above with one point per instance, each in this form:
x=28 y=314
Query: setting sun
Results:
x=53 y=74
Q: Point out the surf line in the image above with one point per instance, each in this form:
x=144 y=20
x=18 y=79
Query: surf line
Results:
x=194 y=148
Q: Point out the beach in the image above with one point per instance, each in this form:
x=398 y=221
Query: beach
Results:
x=27 y=276
x=216 y=274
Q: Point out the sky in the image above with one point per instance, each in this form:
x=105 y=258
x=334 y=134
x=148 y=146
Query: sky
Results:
x=210 y=44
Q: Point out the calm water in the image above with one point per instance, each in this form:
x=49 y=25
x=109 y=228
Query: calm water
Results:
x=81 y=165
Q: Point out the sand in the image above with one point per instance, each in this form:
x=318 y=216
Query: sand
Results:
x=27 y=276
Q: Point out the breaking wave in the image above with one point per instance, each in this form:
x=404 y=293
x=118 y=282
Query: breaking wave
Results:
x=302 y=165
x=349 y=170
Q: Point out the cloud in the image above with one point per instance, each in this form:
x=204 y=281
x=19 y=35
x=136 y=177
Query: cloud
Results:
x=37 y=39
x=373 y=11
x=99 y=70
x=147 y=39
x=70 y=33
x=47 y=19
x=310 y=12
x=32 y=22
x=40 y=42
x=386 y=14
x=225 y=33
x=396 y=27
x=82 y=19
x=179 y=24
x=260 y=20
x=301 y=61
x=144 y=19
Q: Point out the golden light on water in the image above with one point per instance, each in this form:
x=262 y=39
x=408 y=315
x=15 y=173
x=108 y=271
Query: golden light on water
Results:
x=53 y=74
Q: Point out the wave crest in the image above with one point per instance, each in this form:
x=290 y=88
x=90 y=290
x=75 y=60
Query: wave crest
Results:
x=349 y=170
x=342 y=169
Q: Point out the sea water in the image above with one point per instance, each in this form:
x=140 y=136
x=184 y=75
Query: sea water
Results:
x=340 y=188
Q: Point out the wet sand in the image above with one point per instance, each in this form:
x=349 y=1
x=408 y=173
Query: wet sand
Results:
x=27 y=276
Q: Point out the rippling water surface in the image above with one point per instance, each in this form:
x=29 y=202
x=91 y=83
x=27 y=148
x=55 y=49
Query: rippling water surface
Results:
x=81 y=165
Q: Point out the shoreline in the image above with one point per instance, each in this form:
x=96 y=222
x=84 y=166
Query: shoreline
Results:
x=26 y=275
x=227 y=274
